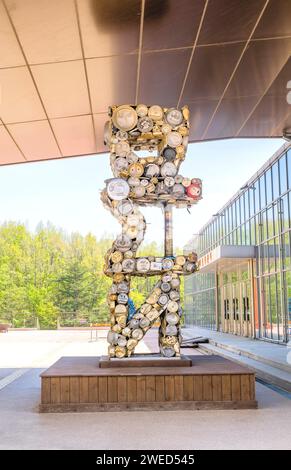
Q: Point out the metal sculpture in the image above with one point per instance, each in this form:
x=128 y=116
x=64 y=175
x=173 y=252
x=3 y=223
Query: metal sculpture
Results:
x=144 y=181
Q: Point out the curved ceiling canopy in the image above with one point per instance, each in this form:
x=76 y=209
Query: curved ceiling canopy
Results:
x=63 y=62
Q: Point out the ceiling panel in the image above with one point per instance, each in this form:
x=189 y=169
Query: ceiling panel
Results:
x=10 y=52
x=99 y=121
x=48 y=30
x=276 y=20
x=230 y=115
x=75 y=135
x=20 y=101
x=112 y=80
x=279 y=86
x=162 y=75
x=271 y=109
x=109 y=27
x=9 y=153
x=260 y=65
x=63 y=88
x=210 y=70
x=35 y=139
x=164 y=28
x=251 y=90
x=200 y=113
x=229 y=20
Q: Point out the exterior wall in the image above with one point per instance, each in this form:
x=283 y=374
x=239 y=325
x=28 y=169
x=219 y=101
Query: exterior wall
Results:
x=259 y=215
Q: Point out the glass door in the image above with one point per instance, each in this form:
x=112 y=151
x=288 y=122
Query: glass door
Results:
x=246 y=309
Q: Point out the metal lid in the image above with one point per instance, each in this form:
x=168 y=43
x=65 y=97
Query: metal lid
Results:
x=122 y=298
x=124 y=117
x=125 y=207
x=194 y=191
x=141 y=110
x=117 y=189
x=169 y=181
x=120 y=164
x=165 y=286
x=174 y=117
x=136 y=170
x=128 y=265
x=123 y=243
x=142 y=265
x=174 y=139
x=168 y=169
x=169 y=154
x=167 y=263
x=137 y=334
x=172 y=306
x=152 y=170
x=156 y=113
x=145 y=124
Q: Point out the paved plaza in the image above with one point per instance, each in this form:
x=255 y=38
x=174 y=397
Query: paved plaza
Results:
x=25 y=354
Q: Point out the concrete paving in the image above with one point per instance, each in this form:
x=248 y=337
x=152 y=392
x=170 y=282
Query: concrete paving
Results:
x=22 y=427
x=273 y=354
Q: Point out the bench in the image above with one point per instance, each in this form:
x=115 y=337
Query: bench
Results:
x=4 y=327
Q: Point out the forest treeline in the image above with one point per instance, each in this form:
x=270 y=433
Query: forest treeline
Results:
x=49 y=275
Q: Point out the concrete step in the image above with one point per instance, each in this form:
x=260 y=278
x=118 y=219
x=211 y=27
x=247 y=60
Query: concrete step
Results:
x=252 y=355
x=265 y=372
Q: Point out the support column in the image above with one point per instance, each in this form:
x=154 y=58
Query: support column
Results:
x=168 y=229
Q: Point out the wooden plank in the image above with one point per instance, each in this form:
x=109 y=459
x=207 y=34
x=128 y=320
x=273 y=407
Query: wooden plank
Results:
x=198 y=388
x=74 y=390
x=88 y=366
x=84 y=389
x=131 y=389
x=112 y=389
x=103 y=390
x=207 y=387
x=147 y=406
x=245 y=387
x=122 y=389
x=235 y=387
x=188 y=387
x=55 y=390
x=179 y=389
x=65 y=389
x=93 y=389
x=216 y=388
x=226 y=388
x=150 y=388
x=252 y=387
x=140 y=389
x=160 y=388
x=45 y=390
x=169 y=388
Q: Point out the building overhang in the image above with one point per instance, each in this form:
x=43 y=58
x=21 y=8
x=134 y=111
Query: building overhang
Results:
x=63 y=62
x=226 y=256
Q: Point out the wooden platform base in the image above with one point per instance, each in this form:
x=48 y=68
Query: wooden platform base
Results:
x=78 y=384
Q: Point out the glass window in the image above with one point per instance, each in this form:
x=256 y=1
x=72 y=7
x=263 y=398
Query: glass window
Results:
x=262 y=191
x=283 y=174
x=286 y=252
x=289 y=168
x=238 y=215
x=275 y=175
x=270 y=222
x=253 y=231
x=268 y=182
x=257 y=196
x=247 y=203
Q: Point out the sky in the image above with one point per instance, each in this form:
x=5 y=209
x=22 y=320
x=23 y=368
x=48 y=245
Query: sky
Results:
x=66 y=192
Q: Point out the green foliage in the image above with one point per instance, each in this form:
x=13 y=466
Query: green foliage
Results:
x=50 y=275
